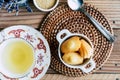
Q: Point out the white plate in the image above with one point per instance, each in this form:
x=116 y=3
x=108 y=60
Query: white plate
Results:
x=41 y=47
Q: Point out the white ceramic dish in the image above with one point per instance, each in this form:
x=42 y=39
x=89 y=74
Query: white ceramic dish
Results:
x=46 y=10
x=81 y=66
x=40 y=45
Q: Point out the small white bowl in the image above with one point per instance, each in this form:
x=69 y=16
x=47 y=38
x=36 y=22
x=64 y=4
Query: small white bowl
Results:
x=46 y=10
x=68 y=34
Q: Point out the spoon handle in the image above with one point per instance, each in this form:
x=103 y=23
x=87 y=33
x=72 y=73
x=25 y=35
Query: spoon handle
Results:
x=103 y=30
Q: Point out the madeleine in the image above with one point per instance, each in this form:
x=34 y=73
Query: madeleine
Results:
x=72 y=58
x=71 y=45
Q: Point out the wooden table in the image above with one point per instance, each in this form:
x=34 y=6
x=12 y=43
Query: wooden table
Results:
x=110 y=8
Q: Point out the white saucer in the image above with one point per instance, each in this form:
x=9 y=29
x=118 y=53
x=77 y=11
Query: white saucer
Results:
x=41 y=47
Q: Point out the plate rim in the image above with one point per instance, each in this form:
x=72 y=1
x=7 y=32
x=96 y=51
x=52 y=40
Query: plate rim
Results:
x=48 y=52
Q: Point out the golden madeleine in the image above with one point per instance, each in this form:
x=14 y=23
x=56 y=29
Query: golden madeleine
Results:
x=85 y=49
x=71 y=45
x=72 y=58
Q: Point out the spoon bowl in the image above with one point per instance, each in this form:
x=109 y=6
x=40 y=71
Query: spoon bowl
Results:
x=75 y=4
x=78 y=5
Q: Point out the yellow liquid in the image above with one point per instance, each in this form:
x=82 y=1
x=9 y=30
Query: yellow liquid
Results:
x=18 y=56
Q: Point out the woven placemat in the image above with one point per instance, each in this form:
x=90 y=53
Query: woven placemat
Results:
x=76 y=22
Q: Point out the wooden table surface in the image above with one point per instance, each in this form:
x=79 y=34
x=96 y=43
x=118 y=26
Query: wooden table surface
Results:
x=110 y=8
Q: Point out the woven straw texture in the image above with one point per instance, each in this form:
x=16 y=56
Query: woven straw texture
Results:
x=76 y=22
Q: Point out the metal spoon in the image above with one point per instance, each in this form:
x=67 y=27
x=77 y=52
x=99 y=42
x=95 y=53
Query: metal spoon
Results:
x=78 y=6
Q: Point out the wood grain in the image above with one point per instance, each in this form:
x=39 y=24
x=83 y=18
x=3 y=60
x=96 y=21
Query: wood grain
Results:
x=88 y=77
x=110 y=8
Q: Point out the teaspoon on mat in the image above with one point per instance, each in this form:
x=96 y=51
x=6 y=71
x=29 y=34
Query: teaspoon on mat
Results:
x=77 y=5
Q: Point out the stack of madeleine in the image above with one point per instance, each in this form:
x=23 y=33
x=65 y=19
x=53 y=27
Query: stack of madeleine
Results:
x=75 y=50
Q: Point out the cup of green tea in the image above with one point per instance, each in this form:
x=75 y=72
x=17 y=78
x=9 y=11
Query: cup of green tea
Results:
x=17 y=57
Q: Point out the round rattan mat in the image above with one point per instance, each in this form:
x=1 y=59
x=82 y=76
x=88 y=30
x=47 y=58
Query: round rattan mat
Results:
x=76 y=22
